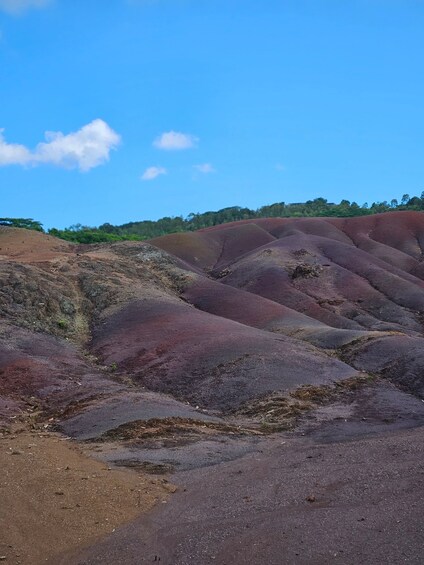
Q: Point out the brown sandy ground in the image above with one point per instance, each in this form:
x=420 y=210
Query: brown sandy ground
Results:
x=54 y=498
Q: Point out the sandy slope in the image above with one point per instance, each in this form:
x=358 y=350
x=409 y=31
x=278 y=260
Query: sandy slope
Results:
x=54 y=498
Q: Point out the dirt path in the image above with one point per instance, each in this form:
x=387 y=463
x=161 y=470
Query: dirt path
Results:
x=54 y=499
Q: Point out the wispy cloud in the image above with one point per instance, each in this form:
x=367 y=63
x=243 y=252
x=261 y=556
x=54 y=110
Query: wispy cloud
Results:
x=17 y=7
x=175 y=141
x=280 y=167
x=84 y=149
x=153 y=172
x=205 y=168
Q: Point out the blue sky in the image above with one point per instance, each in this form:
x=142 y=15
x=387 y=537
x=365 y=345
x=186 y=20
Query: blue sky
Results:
x=167 y=107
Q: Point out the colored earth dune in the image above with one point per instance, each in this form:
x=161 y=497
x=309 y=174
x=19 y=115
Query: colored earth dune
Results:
x=230 y=333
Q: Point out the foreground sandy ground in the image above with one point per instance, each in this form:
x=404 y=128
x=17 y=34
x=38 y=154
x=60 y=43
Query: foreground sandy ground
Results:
x=301 y=500
x=54 y=498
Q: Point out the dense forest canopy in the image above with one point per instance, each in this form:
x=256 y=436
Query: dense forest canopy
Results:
x=148 y=229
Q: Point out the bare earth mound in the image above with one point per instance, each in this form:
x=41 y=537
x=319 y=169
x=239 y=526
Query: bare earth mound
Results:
x=196 y=352
x=53 y=498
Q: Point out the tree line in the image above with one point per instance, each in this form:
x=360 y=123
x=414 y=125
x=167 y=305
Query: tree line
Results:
x=148 y=229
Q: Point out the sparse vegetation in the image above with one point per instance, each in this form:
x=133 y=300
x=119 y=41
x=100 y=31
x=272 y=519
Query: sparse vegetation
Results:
x=62 y=324
x=277 y=412
x=179 y=429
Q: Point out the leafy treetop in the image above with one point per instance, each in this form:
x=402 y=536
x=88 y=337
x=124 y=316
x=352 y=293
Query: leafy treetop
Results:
x=27 y=223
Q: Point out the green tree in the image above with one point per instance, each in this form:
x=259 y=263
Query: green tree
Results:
x=27 y=223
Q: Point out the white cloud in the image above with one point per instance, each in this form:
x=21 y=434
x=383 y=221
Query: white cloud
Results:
x=152 y=172
x=84 y=149
x=204 y=168
x=280 y=167
x=12 y=153
x=21 y=6
x=174 y=141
